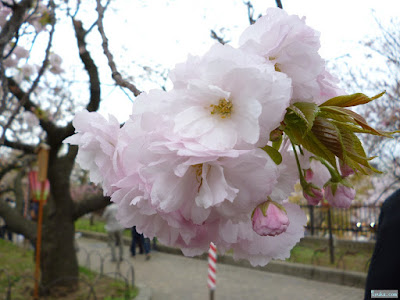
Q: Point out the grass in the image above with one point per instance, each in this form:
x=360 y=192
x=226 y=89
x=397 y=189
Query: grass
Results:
x=98 y=226
x=351 y=261
x=18 y=264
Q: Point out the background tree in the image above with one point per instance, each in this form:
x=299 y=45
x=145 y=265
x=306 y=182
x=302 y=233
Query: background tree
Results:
x=41 y=96
x=37 y=101
x=381 y=72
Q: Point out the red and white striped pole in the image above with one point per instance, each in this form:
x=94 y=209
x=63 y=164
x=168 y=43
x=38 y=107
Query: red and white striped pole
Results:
x=212 y=268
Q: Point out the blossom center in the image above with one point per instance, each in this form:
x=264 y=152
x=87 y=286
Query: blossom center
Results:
x=224 y=108
x=198 y=169
x=276 y=65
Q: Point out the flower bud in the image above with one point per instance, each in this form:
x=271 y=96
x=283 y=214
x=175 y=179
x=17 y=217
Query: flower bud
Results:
x=345 y=170
x=311 y=192
x=339 y=195
x=315 y=196
x=270 y=219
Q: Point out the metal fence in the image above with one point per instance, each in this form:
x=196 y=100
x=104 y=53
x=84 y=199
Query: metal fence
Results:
x=359 y=222
x=93 y=261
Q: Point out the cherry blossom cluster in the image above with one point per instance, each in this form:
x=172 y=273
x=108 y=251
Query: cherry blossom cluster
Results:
x=216 y=158
x=16 y=56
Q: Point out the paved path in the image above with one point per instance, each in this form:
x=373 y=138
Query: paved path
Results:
x=174 y=277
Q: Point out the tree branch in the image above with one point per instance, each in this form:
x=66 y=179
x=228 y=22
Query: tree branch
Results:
x=16 y=222
x=89 y=65
x=12 y=26
x=28 y=105
x=115 y=74
x=216 y=37
x=20 y=146
x=250 y=12
x=90 y=204
x=279 y=4
x=24 y=97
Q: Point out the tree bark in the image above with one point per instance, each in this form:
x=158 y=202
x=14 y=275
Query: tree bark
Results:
x=59 y=265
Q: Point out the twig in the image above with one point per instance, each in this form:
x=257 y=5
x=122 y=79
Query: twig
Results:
x=250 y=12
x=115 y=74
x=35 y=83
x=215 y=36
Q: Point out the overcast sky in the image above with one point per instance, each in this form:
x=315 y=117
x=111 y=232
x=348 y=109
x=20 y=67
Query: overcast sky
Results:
x=160 y=32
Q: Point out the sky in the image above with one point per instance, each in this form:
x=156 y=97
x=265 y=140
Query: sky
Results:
x=162 y=33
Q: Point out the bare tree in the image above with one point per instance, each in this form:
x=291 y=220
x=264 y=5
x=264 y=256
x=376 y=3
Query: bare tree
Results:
x=382 y=54
x=58 y=257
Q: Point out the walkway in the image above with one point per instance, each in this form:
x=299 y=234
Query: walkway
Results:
x=174 y=277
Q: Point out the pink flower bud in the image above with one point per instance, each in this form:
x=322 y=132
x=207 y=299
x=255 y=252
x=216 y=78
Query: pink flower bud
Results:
x=314 y=200
x=345 y=170
x=270 y=219
x=308 y=175
x=311 y=192
x=342 y=197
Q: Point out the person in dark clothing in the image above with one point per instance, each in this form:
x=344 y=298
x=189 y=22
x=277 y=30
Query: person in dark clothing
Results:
x=384 y=269
x=144 y=243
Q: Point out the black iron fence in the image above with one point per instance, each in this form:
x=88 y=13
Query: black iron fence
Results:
x=359 y=222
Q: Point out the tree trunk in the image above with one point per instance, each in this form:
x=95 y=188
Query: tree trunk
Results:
x=59 y=265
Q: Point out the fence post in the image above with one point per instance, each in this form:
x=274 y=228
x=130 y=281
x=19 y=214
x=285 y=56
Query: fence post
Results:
x=331 y=249
x=311 y=208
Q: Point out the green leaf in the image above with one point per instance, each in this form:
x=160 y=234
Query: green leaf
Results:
x=329 y=135
x=340 y=113
x=306 y=111
x=351 y=127
x=350 y=100
x=273 y=153
x=309 y=141
x=355 y=151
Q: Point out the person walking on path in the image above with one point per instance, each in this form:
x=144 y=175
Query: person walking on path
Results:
x=114 y=230
x=144 y=243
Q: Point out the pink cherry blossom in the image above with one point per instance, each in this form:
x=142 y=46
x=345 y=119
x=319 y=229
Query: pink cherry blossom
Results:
x=228 y=99
x=269 y=219
x=292 y=46
x=321 y=174
x=259 y=250
x=342 y=197
x=187 y=167
x=97 y=139
x=30 y=118
x=55 y=64
x=287 y=172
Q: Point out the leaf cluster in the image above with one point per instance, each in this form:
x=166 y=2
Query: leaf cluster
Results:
x=329 y=130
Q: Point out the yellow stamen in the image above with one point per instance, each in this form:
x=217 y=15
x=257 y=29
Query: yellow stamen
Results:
x=224 y=108
x=198 y=169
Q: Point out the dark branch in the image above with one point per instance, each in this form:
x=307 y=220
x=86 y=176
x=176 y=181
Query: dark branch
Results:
x=19 y=162
x=216 y=37
x=114 y=72
x=279 y=4
x=250 y=12
x=16 y=222
x=12 y=26
x=90 y=204
x=89 y=65
x=6 y=190
x=24 y=97
x=28 y=104
x=20 y=146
